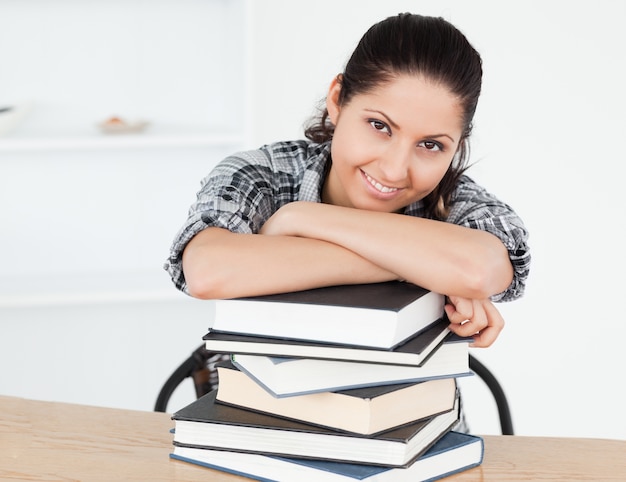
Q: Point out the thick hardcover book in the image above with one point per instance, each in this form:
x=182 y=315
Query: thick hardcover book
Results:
x=363 y=410
x=284 y=377
x=453 y=453
x=380 y=315
x=206 y=424
x=413 y=352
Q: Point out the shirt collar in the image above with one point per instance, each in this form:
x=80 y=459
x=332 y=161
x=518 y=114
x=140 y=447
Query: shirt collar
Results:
x=318 y=163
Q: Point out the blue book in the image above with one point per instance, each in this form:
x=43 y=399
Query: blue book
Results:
x=454 y=452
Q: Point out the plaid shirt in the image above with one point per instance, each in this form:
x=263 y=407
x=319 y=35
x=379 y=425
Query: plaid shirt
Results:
x=245 y=189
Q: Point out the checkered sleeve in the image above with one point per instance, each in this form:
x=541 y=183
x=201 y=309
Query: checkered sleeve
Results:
x=246 y=189
x=236 y=195
x=476 y=208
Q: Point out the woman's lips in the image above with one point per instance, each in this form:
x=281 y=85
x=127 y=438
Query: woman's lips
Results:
x=381 y=188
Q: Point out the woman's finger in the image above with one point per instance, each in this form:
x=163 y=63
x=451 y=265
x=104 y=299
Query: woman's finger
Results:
x=495 y=324
x=459 y=310
x=475 y=324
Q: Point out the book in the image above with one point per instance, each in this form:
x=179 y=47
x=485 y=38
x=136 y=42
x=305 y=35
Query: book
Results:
x=455 y=452
x=413 y=352
x=365 y=411
x=379 y=315
x=285 y=377
x=206 y=424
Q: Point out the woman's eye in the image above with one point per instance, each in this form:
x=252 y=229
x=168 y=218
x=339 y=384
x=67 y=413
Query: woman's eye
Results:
x=431 y=145
x=380 y=126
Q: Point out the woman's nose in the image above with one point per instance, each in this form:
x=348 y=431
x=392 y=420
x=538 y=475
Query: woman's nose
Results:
x=394 y=164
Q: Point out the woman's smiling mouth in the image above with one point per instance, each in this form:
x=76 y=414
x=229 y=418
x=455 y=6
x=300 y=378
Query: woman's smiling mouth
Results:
x=378 y=186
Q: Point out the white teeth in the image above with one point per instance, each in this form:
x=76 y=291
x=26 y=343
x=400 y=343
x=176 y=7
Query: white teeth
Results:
x=379 y=186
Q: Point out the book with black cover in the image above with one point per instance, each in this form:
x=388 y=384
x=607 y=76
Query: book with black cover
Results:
x=362 y=410
x=284 y=377
x=379 y=315
x=206 y=424
x=453 y=453
x=414 y=351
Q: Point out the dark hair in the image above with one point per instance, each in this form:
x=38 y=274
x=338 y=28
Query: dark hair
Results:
x=414 y=44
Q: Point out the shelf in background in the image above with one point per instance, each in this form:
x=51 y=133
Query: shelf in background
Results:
x=81 y=289
x=158 y=139
x=180 y=66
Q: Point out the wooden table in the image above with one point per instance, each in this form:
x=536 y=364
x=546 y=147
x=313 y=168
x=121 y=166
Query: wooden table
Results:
x=59 y=442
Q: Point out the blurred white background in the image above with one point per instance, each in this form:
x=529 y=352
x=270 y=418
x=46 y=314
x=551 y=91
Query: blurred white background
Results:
x=87 y=219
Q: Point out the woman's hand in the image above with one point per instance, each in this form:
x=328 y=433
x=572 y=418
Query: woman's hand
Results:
x=476 y=318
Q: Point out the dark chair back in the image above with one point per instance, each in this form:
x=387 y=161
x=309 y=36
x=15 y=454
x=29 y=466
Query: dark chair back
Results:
x=200 y=366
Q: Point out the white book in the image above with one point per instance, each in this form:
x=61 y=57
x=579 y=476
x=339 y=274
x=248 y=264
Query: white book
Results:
x=414 y=351
x=367 y=411
x=377 y=315
x=296 y=376
x=210 y=425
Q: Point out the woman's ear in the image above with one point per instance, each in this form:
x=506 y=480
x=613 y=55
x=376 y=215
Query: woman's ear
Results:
x=332 y=100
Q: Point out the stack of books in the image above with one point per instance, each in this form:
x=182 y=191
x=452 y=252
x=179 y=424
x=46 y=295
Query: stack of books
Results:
x=344 y=383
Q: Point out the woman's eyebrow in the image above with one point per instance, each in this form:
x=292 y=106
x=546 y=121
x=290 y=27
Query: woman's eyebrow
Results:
x=435 y=136
x=396 y=126
x=387 y=118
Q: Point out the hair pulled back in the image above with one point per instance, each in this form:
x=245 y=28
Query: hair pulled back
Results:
x=415 y=45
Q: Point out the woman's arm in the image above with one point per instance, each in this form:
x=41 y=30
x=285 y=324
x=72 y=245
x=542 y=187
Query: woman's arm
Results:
x=468 y=265
x=442 y=257
x=220 y=264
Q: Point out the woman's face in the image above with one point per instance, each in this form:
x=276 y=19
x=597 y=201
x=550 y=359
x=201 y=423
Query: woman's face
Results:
x=393 y=145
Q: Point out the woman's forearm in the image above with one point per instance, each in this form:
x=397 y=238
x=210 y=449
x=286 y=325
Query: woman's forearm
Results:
x=440 y=256
x=221 y=264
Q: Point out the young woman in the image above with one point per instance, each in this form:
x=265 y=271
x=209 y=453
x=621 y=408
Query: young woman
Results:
x=377 y=191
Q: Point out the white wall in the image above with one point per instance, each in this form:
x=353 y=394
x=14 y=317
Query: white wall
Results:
x=548 y=140
x=87 y=313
